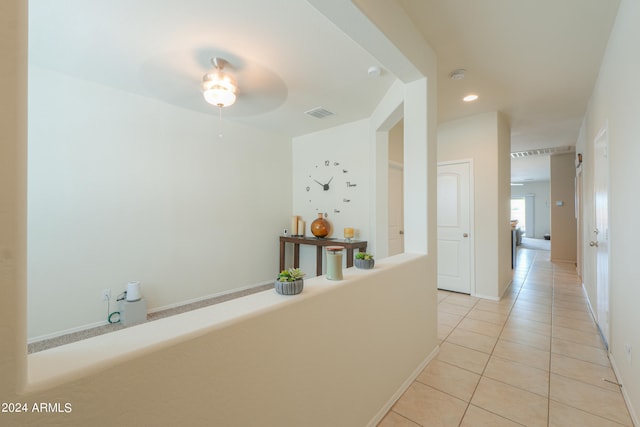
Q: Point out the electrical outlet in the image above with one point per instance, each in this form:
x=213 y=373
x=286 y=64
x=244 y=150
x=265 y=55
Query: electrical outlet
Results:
x=106 y=294
x=627 y=348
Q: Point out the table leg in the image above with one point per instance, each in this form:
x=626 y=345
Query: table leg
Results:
x=349 y=257
x=296 y=255
x=319 y=261
x=281 y=256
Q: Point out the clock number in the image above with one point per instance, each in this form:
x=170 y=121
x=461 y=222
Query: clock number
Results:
x=308 y=188
x=346 y=200
x=349 y=184
x=327 y=162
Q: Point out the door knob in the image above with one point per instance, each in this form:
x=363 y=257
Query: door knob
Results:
x=592 y=243
x=401 y=232
x=465 y=235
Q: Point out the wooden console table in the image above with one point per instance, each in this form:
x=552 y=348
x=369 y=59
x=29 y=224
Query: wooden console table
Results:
x=361 y=245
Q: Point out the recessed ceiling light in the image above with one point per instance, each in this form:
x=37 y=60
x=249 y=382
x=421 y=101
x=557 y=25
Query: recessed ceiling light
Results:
x=470 y=98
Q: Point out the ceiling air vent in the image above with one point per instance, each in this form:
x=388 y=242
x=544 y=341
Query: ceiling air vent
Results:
x=542 y=152
x=319 y=112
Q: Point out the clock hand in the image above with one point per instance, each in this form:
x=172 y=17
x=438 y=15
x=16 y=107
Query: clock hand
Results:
x=325 y=187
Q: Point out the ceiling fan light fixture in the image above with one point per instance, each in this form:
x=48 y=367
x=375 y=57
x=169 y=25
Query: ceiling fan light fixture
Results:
x=219 y=88
x=219 y=96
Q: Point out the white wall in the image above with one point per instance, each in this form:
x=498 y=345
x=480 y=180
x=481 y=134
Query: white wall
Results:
x=611 y=103
x=212 y=376
x=122 y=187
x=349 y=146
x=263 y=360
x=483 y=139
x=541 y=213
x=396 y=143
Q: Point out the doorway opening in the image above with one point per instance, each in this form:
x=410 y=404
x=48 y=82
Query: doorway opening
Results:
x=519 y=214
x=396 y=189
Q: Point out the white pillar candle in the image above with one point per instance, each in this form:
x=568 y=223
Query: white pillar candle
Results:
x=300 y=227
x=294 y=225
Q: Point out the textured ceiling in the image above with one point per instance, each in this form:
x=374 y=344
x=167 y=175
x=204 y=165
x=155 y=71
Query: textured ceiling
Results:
x=534 y=60
x=288 y=58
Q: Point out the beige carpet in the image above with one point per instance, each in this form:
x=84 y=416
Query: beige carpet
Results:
x=92 y=332
x=537 y=244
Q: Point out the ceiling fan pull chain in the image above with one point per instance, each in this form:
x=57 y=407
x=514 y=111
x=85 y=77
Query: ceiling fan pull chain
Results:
x=220 y=122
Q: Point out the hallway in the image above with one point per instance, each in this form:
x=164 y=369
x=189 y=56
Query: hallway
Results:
x=535 y=358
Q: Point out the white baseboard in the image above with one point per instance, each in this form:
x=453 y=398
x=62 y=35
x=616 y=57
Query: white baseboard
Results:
x=627 y=400
x=492 y=298
x=405 y=385
x=66 y=331
x=166 y=307
x=563 y=261
x=625 y=396
x=586 y=295
x=206 y=297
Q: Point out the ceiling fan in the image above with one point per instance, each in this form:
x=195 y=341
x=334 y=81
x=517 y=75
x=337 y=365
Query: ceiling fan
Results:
x=246 y=86
x=219 y=87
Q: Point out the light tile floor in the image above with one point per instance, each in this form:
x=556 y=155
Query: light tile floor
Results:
x=535 y=358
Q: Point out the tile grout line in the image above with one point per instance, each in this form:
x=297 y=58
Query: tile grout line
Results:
x=553 y=293
x=550 y=283
x=577 y=380
x=494 y=346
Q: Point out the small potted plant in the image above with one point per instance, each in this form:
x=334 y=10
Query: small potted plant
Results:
x=364 y=260
x=289 y=282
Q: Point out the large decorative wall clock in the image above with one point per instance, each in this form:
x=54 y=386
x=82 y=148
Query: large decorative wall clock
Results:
x=329 y=187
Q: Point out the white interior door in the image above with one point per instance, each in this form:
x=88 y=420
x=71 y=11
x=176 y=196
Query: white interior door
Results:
x=600 y=240
x=454 y=230
x=396 y=209
x=579 y=217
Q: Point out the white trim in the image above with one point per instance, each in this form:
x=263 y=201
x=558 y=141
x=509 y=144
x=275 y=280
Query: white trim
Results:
x=595 y=320
x=602 y=140
x=455 y=162
x=625 y=396
x=492 y=298
x=165 y=307
x=405 y=385
x=612 y=361
x=586 y=295
x=570 y=261
x=66 y=331
x=503 y=292
x=206 y=297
